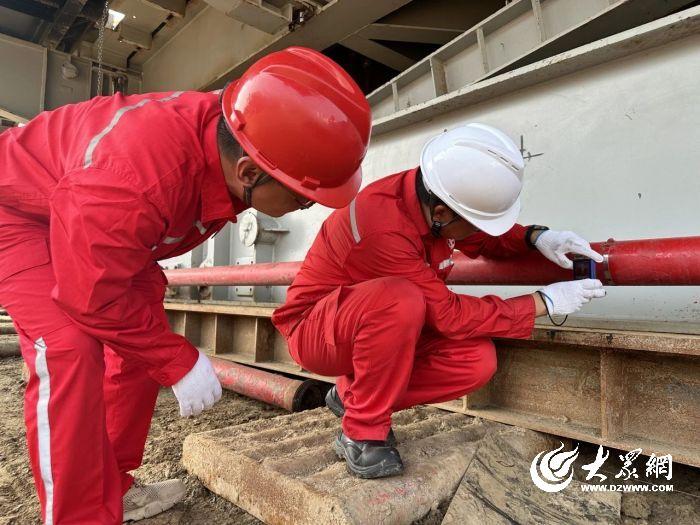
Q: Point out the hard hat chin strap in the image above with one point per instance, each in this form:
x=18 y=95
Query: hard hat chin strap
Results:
x=437 y=226
x=248 y=190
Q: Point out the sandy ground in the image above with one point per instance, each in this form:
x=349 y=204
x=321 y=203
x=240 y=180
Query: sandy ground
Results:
x=19 y=505
x=18 y=502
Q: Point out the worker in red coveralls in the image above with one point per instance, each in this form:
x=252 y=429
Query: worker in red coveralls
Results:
x=370 y=304
x=91 y=196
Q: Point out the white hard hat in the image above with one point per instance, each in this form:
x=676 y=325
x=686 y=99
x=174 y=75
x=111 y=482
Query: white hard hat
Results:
x=477 y=171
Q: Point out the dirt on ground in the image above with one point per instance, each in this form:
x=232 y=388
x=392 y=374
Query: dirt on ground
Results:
x=19 y=504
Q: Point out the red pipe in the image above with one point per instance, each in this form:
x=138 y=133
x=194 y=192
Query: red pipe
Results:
x=274 y=389
x=268 y=274
x=647 y=262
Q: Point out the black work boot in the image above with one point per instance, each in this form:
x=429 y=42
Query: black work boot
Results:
x=335 y=404
x=368 y=459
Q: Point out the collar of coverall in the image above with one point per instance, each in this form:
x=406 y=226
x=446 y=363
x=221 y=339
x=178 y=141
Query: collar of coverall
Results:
x=410 y=197
x=217 y=201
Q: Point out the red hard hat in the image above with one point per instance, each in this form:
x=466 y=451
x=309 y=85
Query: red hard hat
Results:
x=304 y=121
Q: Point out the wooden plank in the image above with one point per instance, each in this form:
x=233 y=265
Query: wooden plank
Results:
x=612 y=394
x=224 y=333
x=243 y=336
x=549 y=381
x=207 y=338
x=254 y=310
x=478 y=399
x=217 y=333
x=680 y=452
x=177 y=322
x=620 y=340
x=622 y=389
x=264 y=334
x=671 y=343
x=193 y=327
x=663 y=399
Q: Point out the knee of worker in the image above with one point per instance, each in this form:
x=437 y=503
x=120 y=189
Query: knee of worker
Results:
x=485 y=364
x=402 y=301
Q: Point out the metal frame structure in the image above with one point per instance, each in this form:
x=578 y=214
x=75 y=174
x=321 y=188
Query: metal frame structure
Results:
x=522 y=32
x=618 y=388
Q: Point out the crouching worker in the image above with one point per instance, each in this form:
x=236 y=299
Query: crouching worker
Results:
x=370 y=304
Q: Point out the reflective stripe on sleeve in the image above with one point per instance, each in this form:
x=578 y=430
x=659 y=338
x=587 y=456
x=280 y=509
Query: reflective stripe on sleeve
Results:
x=115 y=120
x=353 y=223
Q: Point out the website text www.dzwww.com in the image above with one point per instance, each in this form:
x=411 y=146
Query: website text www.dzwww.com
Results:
x=626 y=488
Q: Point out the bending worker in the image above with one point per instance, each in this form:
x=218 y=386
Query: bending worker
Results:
x=91 y=196
x=370 y=304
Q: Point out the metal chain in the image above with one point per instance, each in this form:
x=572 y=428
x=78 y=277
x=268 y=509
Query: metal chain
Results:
x=100 y=45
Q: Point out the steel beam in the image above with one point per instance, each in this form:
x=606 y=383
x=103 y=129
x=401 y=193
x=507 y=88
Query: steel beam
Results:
x=8 y=115
x=377 y=52
x=132 y=35
x=331 y=24
x=648 y=36
x=500 y=54
x=174 y=7
x=28 y=8
x=62 y=22
x=405 y=33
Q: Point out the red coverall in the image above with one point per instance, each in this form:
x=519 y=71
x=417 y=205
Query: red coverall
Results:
x=91 y=196
x=370 y=305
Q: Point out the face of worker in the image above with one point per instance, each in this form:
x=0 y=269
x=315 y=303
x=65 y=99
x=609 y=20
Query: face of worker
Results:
x=270 y=197
x=458 y=230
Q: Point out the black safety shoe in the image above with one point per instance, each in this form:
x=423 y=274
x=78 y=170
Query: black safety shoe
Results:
x=335 y=404
x=368 y=459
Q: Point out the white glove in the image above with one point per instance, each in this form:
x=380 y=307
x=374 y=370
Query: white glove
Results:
x=569 y=296
x=199 y=389
x=555 y=245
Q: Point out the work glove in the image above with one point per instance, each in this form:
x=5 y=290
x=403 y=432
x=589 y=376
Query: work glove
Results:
x=555 y=245
x=199 y=389
x=569 y=296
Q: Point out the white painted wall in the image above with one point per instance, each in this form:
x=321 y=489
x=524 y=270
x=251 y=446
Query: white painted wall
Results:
x=621 y=154
x=621 y=151
x=22 y=76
